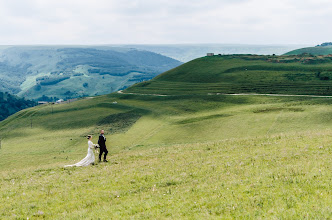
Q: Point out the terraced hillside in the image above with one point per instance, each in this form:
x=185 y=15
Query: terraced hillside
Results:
x=245 y=74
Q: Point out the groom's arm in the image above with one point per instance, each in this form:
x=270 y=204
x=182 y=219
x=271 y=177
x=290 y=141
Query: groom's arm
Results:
x=99 y=140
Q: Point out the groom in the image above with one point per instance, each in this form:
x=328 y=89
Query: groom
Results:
x=102 y=145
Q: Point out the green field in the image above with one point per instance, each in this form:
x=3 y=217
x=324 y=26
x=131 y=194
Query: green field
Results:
x=171 y=157
x=180 y=156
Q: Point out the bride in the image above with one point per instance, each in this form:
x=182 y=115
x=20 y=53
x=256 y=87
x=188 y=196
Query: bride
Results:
x=90 y=158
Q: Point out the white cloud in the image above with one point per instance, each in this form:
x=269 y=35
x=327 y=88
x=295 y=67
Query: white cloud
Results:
x=164 y=21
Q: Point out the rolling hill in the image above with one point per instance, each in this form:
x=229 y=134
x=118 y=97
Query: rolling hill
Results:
x=323 y=49
x=296 y=75
x=188 y=154
x=69 y=72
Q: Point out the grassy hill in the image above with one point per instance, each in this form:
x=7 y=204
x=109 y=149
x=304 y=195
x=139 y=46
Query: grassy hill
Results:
x=179 y=156
x=245 y=74
x=318 y=50
x=69 y=72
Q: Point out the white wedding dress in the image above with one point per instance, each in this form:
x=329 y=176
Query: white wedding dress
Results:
x=89 y=159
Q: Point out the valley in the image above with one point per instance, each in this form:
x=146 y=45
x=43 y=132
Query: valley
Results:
x=76 y=71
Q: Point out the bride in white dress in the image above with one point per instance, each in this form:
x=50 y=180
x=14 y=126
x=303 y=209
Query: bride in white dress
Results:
x=90 y=158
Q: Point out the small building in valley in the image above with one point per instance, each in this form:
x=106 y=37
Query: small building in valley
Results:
x=59 y=101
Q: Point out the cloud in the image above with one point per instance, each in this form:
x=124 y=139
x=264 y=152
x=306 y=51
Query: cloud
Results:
x=164 y=21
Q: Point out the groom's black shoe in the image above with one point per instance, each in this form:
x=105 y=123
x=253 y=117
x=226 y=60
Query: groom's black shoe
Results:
x=105 y=160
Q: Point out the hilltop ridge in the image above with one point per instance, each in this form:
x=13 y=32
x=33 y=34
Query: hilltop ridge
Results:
x=321 y=49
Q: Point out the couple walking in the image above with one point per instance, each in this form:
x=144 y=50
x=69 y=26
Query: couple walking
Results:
x=90 y=158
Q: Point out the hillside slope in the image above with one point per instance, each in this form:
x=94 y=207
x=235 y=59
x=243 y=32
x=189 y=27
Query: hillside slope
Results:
x=210 y=156
x=68 y=72
x=318 y=50
x=245 y=74
x=134 y=121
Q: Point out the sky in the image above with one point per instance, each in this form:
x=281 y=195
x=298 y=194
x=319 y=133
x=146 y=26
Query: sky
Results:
x=165 y=21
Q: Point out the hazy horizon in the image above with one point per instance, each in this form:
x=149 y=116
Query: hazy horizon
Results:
x=181 y=52
x=160 y=44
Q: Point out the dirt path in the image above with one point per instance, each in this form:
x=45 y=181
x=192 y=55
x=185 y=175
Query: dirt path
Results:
x=236 y=94
x=130 y=93
x=282 y=95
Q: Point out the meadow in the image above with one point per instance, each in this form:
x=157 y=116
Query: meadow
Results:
x=279 y=177
x=171 y=157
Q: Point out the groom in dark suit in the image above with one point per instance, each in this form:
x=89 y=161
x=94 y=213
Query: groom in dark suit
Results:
x=102 y=145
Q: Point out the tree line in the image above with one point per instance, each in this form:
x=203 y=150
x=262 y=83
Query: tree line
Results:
x=10 y=104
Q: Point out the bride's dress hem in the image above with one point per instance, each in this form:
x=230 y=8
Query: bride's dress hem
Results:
x=88 y=160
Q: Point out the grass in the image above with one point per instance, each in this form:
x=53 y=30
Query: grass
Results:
x=282 y=176
x=245 y=74
x=181 y=156
x=152 y=121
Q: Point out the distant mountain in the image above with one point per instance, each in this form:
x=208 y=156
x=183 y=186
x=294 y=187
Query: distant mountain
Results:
x=10 y=104
x=322 y=49
x=67 y=72
x=188 y=52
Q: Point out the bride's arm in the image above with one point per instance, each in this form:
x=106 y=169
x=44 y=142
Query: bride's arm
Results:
x=91 y=145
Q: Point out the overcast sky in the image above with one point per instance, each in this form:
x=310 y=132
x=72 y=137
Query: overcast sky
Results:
x=165 y=21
